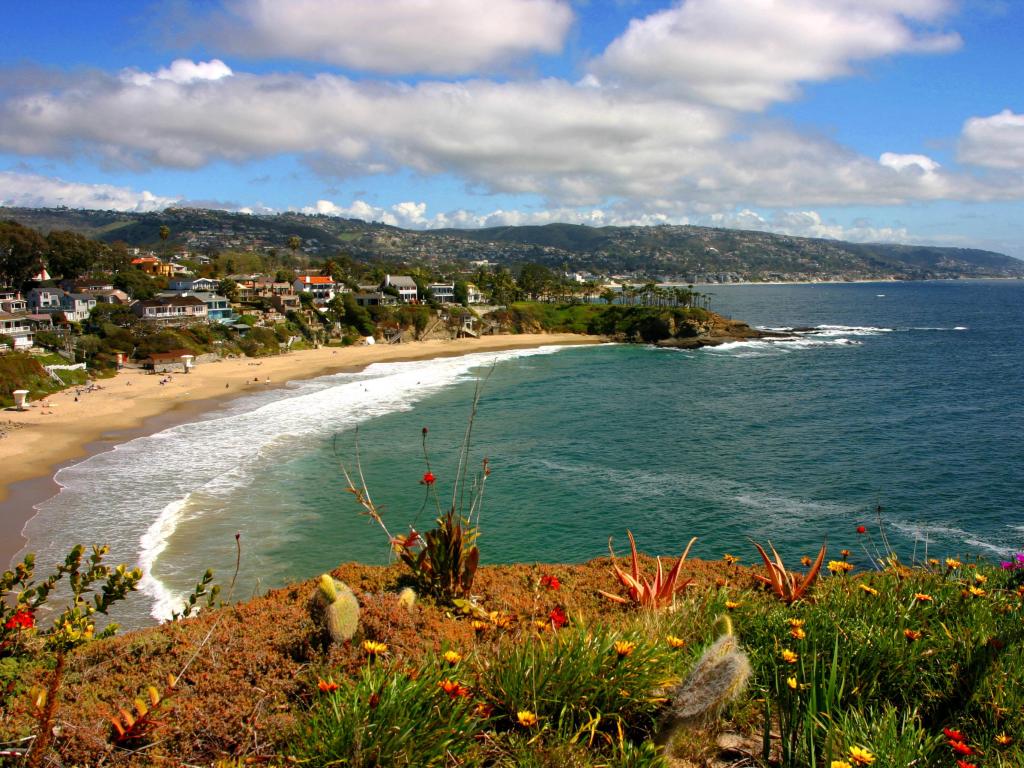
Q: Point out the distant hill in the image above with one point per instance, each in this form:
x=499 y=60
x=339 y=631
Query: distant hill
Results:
x=689 y=253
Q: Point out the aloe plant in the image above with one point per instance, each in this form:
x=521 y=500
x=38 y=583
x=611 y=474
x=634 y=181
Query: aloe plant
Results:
x=787 y=585
x=659 y=592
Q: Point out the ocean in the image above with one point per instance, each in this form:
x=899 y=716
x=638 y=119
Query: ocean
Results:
x=904 y=396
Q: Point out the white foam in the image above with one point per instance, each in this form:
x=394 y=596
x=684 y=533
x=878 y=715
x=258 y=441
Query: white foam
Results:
x=929 y=531
x=152 y=544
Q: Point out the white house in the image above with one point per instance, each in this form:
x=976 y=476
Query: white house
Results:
x=443 y=292
x=184 y=285
x=322 y=287
x=45 y=298
x=405 y=286
x=17 y=328
x=76 y=306
x=168 y=311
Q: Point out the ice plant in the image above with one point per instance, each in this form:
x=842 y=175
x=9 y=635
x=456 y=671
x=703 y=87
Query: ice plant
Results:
x=788 y=586
x=861 y=756
x=659 y=592
x=921 y=597
x=1003 y=740
x=961 y=748
x=867 y=589
x=953 y=735
x=798 y=633
x=558 y=617
x=732 y=604
x=839 y=764
x=791 y=682
x=965 y=764
x=454 y=689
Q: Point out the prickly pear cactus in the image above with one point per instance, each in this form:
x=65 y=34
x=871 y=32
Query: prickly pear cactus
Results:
x=335 y=609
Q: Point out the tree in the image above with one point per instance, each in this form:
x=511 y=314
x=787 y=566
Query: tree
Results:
x=535 y=279
x=136 y=283
x=285 y=276
x=462 y=292
x=70 y=254
x=22 y=251
x=165 y=232
x=229 y=289
x=294 y=243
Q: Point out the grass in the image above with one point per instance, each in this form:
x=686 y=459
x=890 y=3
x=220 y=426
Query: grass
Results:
x=879 y=661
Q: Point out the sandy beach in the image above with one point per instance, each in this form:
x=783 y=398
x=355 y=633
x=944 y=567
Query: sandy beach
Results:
x=67 y=427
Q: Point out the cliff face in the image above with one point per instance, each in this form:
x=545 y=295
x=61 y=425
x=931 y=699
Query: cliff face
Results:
x=710 y=331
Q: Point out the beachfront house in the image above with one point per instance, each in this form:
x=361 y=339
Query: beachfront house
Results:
x=322 y=287
x=473 y=295
x=76 y=306
x=113 y=296
x=167 y=310
x=405 y=286
x=17 y=328
x=190 y=285
x=11 y=301
x=218 y=308
x=443 y=292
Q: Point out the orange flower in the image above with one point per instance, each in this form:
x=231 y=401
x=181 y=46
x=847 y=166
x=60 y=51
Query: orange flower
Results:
x=844 y=553
x=952 y=563
x=624 y=647
x=789 y=656
x=961 y=748
x=791 y=682
x=526 y=718
x=921 y=597
x=798 y=633
x=965 y=764
x=980 y=578
x=483 y=709
x=867 y=589
x=976 y=591
x=730 y=559
x=732 y=604
x=861 y=756
x=912 y=634
x=454 y=689
x=327 y=685
x=953 y=735
x=675 y=642
x=840 y=566
x=795 y=623
x=840 y=764
x=805 y=561
x=1003 y=740
x=478 y=626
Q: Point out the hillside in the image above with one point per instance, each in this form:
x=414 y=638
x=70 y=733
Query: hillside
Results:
x=688 y=253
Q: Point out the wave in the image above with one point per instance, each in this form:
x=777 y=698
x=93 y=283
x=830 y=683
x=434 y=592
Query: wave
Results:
x=135 y=496
x=919 y=531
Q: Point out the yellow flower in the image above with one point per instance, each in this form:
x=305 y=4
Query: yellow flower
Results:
x=730 y=559
x=805 y=561
x=500 y=620
x=980 y=578
x=540 y=624
x=452 y=657
x=840 y=566
x=912 y=634
x=869 y=590
x=952 y=563
x=1003 y=740
x=732 y=604
x=791 y=682
x=624 y=647
x=675 y=642
x=861 y=756
x=789 y=656
x=478 y=626
x=976 y=591
x=933 y=561
x=921 y=597
x=840 y=764
x=526 y=718
x=795 y=623
x=798 y=633
x=374 y=648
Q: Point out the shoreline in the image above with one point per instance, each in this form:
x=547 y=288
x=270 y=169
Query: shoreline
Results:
x=64 y=429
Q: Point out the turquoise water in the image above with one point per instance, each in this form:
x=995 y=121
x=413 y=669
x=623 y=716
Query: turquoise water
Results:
x=904 y=395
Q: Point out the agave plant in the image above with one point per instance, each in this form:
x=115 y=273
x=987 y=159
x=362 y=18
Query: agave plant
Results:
x=787 y=585
x=659 y=592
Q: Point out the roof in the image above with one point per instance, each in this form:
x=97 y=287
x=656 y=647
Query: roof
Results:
x=316 y=280
x=146 y=260
x=174 y=354
x=401 y=281
x=171 y=301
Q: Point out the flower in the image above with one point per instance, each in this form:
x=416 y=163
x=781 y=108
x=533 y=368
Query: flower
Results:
x=980 y=578
x=921 y=597
x=428 y=478
x=551 y=582
x=844 y=553
x=798 y=633
x=805 y=561
x=961 y=748
x=933 y=561
x=483 y=709
x=976 y=591
x=869 y=590
x=795 y=623
x=861 y=756
x=327 y=685
x=526 y=718
x=624 y=647
x=558 y=617
x=478 y=626
x=912 y=634
x=22 y=619
x=953 y=735
x=789 y=656
x=791 y=682
x=1006 y=565
x=675 y=642
x=454 y=689
x=732 y=604
x=1003 y=740
x=861 y=529
x=952 y=563
x=965 y=764
x=730 y=559
x=840 y=764
x=374 y=648
x=500 y=620
x=452 y=657
x=840 y=566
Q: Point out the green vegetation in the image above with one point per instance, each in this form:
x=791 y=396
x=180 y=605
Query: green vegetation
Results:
x=19 y=370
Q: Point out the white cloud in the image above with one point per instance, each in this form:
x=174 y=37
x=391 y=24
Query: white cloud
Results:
x=811 y=224
x=747 y=54
x=441 y=37
x=28 y=190
x=995 y=142
x=922 y=163
x=182 y=72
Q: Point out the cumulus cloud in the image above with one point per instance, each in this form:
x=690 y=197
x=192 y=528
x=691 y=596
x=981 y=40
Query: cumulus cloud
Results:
x=994 y=142
x=27 y=190
x=181 y=71
x=747 y=54
x=441 y=37
x=811 y=224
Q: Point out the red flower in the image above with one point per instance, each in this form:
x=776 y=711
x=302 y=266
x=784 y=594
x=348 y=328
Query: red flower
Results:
x=327 y=685
x=953 y=735
x=428 y=478
x=549 y=581
x=960 y=748
x=861 y=529
x=965 y=764
x=558 y=617
x=23 y=619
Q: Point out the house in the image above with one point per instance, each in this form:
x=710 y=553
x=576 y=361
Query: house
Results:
x=322 y=287
x=86 y=285
x=473 y=295
x=175 y=360
x=11 y=301
x=405 y=286
x=218 y=308
x=16 y=327
x=190 y=285
x=76 y=306
x=285 y=302
x=114 y=296
x=178 y=310
x=45 y=298
x=443 y=292
x=374 y=299
x=151 y=265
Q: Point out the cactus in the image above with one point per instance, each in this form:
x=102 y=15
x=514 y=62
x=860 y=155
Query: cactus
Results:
x=719 y=676
x=335 y=608
x=407 y=598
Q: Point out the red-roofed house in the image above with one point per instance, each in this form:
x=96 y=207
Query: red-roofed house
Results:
x=322 y=287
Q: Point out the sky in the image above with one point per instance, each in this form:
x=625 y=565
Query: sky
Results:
x=863 y=120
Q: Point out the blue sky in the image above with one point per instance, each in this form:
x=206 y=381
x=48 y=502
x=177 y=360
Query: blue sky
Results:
x=867 y=120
